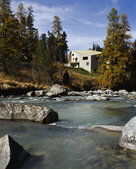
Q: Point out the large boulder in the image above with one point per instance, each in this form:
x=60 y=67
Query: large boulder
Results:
x=56 y=90
x=14 y=111
x=128 y=135
x=12 y=155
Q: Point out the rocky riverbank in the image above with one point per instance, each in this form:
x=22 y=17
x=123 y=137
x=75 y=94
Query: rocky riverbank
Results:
x=96 y=95
x=8 y=88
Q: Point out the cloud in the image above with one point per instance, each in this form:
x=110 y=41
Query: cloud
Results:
x=88 y=22
x=84 y=42
x=102 y=12
x=133 y=34
x=114 y=1
x=43 y=14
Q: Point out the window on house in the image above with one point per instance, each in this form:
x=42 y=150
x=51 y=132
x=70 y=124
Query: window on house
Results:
x=73 y=58
x=72 y=54
x=76 y=59
x=85 y=58
x=87 y=63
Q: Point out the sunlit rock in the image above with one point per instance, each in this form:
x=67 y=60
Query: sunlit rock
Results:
x=124 y=92
x=37 y=93
x=97 y=98
x=128 y=135
x=56 y=90
x=14 y=111
x=12 y=155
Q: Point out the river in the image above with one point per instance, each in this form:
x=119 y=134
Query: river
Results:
x=69 y=144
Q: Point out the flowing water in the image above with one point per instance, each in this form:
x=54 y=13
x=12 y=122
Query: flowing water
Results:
x=69 y=144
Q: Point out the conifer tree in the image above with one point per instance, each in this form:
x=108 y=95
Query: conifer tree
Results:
x=61 y=42
x=115 y=55
x=43 y=62
x=64 y=48
x=56 y=28
x=52 y=45
x=21 y=16
x=32 y=34
x=132 y=65
x=96 y=47
x=44 y=40
x=9 y=39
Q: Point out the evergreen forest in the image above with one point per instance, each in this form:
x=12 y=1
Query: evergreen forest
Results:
x=21 y=46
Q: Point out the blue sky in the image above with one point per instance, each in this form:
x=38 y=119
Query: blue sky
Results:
x=85 y=21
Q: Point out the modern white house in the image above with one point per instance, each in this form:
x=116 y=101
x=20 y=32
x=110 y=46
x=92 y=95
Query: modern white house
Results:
x=86 y=59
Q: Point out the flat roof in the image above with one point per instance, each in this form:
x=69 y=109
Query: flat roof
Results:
x=87 y=52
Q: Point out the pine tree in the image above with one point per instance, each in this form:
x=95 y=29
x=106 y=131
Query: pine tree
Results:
x=52 y=45
x=32 y=34
x=56 y=28
x=115 y=55
x=44 y=40
x=132 y=65
x=61 y=41
x=9 y=39
x=96 y=47
x=21 y=16
x=64 y=48
x=43 y=62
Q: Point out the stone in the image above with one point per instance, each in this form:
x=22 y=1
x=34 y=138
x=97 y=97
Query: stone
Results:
x=39 y=93
x=76 y=93
x=123 y=92
x=56 y=90
x=97 y=98
x=108 y=127
x=30 y=94
x=108 y=91
x=12 y=155
x=15 y=111
x=128 y=135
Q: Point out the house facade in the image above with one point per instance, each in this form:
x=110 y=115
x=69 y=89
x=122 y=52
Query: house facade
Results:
x=86 y=59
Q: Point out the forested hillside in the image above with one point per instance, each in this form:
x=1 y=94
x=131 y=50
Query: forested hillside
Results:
x=23 y=51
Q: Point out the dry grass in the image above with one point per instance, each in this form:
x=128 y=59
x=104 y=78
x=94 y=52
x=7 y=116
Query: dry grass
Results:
x=7 y=82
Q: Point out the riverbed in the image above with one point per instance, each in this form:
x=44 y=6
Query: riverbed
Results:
x=69 y=143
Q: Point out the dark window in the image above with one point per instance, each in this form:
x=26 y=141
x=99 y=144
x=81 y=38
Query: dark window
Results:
x=73 y=54
x=76 y=59
x=85 y=58
x=87 y=63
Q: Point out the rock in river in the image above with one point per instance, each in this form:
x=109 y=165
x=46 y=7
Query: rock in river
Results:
x=56 y=90
x=14 y=111
x=12 y=155
x=37 y=93
x=128 y=135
